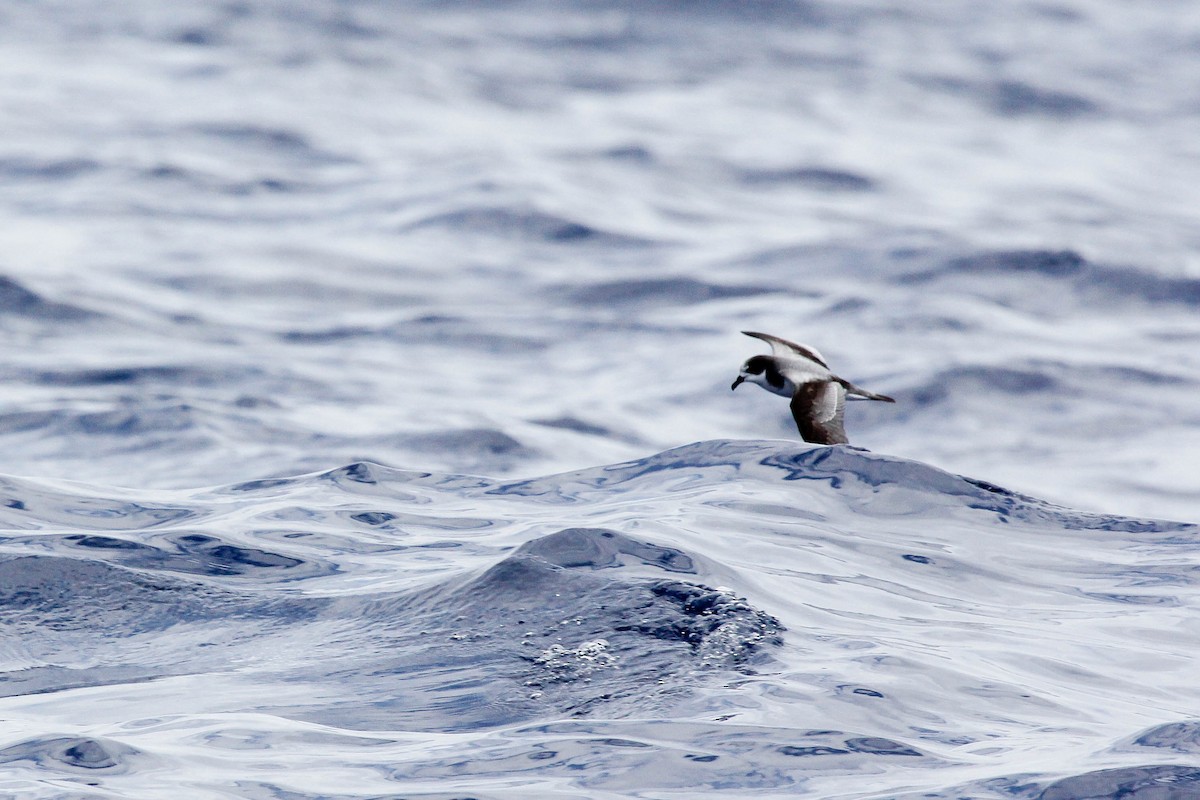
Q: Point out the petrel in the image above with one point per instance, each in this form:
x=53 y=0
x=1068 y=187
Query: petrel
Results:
x=800 y=373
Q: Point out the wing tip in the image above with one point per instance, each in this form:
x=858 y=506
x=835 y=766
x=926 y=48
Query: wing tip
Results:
x=780 y=345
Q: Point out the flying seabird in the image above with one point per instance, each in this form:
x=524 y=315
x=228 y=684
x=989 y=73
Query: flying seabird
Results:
x=799 y=372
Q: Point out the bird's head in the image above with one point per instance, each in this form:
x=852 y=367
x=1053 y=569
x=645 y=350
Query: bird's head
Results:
x=754 y=371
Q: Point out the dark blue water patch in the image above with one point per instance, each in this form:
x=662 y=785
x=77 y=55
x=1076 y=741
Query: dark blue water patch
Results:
x=196 y=36
x=77 y=754
x=369 y=477
x=752 y=13
x=1030 y=378
x=373 y=518
x=1018 y=98
x=811 y=750
x=1132 y=375
x=104 y=542
x=596 y=39
x=24 y=421
x=173 y=173
x=17 y=299
x=821 y=179
x=848 y=306
x=151 y=374
x=281 y=145
x=600 y=548
x=1054 y=263
x=461 y=333
x=976 y=380
x=344 y=25
x=202 y=554
x=56 y=169
x=171 y=418
x=614 y=742
x=53 y=594
x=694 y=599
x=1179 y=737
x=659 y=291
x=249 y=401
x=256 y=136
x=991 y=488
x=471 y=441
x=52 y=678
x=630 y=154
x=693 y=759
x=755 y=12
x=402 y=521
x=1134 y=599
x=797 y=264
x=185 y=553
x=261 y=484
x=336 y=333
x=1096 y=283
x=574 y=424
x=260 y=186
x=133 y=424
x=1162 y=576
x=530 y=637
x=1005 y=787
x=699 y=456
x=99 y=513
x=57 y=605
x=1118 y=283
x=444 y=330
x=837 y=743
x=1015 y=98
x=599 y=39
x=1150 y=782
x=512 y=223
x=842 y=467
x=1078 y=520
x=589 y=80
x=363 y=472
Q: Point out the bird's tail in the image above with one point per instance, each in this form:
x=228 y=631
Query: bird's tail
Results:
x=858 y=391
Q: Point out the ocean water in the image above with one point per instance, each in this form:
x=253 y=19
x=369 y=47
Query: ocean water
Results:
x=366 y=418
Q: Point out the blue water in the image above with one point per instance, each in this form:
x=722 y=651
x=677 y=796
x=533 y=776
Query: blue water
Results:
x=366 y=416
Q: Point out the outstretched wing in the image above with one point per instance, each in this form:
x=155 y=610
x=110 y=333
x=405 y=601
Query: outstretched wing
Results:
x=782 y=348
x=819 y=408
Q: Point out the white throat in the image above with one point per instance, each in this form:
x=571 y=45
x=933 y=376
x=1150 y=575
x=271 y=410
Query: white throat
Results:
x=787 y=390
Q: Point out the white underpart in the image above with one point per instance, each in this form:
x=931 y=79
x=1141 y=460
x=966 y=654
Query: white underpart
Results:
x=795 y=371
x=787 y=390
x=802 y=370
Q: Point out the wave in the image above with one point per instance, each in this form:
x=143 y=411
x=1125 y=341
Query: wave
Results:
x=1088 y=281
x=518 y=223
x=655 y=601
x=17 y=299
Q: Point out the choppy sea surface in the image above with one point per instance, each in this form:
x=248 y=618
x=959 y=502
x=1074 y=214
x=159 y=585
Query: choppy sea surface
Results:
x=365 y=410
